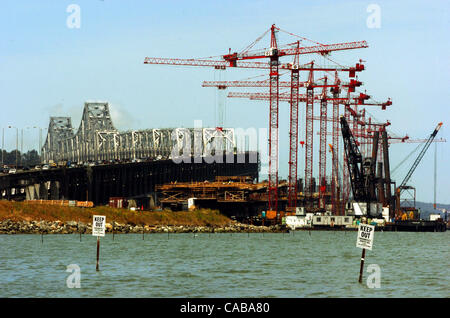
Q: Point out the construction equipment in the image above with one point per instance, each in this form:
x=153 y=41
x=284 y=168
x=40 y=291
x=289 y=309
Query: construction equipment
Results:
x=293 y=135
x=362 y=173
x=273 y=53
x=360 y=99
x=402 y=185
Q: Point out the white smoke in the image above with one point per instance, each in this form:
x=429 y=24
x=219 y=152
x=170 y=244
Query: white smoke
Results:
x=121 y=118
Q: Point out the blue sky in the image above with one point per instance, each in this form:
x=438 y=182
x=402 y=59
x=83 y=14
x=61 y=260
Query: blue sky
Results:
x=49 y=69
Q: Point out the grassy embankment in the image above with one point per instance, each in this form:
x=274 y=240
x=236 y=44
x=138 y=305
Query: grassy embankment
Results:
x=27 y=211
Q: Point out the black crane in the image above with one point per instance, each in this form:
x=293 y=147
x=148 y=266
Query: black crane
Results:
x=361 y=170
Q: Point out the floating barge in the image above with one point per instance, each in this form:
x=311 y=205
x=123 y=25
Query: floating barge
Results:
x=416 y=226
x=398 y=226
x=245 y=200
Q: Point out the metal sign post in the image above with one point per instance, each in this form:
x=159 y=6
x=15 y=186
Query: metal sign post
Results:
x=361 y=269
x=98 y=229
x=364 y=241
x=98 y=253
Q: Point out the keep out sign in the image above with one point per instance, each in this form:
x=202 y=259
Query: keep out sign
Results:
x=365 y=236
x=98 y=225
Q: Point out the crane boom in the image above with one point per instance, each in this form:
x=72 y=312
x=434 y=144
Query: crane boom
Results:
x=355 y=161
x=244 y=64
x=286 y=97
x=320 y=49
x=208 y=63
x=420 y=156
x=265 y=83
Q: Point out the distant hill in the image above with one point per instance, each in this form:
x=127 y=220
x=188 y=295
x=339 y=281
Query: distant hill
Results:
x=427 y=208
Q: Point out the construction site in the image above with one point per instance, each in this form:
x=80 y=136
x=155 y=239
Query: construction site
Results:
x=347 y=173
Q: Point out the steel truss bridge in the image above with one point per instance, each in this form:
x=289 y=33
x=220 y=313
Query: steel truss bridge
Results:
x=97 y=139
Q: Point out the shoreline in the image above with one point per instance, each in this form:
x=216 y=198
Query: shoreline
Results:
x=10 y=227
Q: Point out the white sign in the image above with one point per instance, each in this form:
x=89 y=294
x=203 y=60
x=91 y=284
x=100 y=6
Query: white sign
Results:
x=98 y=225
x=190 y=202
x=365 y=236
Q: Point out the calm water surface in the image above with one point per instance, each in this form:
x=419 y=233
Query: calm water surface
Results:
x=320 y=264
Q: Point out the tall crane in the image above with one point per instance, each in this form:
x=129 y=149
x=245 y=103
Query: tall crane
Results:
x=294 y=84
x=322 y=147
x=273 y=54
x=414 y=166
x=361 y=99
x=335 y=187
x=293 y=133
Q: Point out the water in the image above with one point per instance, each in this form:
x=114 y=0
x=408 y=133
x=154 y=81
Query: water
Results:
x=320 y=264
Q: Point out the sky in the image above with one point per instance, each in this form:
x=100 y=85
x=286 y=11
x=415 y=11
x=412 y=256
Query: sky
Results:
x=50 y=69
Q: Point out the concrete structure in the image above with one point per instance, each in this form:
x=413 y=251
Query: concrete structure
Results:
x=100 y=182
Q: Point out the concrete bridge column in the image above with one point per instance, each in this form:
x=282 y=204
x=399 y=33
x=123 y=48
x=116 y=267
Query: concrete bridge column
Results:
x=43 y=191
x=30 y=192
x=37 y=192
x=54 y=190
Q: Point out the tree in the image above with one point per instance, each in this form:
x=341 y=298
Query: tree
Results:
x=29 y=158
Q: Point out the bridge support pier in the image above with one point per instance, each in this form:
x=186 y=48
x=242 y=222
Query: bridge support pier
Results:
x=54 y=190
x=43 y=191
x=30 y=192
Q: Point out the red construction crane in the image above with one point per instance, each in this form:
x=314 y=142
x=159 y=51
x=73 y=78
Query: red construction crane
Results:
x=282 y=84
x=360 y=99
x=286 y=97
x=294 y=117
x=322 y=147
x=273 y=54
x=335 y=194
x=293 y=134
x=273 y=122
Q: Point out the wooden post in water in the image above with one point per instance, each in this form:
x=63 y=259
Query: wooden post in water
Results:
x=362 y=265
x=143 y=228
x=98 y=253
x=42 y=234
x=78 y=228
x=114 y=224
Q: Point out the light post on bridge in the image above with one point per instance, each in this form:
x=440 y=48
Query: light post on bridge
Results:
x=3 y=146
x=21 y=143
